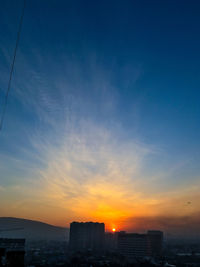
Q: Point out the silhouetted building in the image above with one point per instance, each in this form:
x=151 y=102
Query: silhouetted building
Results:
x=156 y=242
x=15 y=258
x=12 y=252
x=87 y=236
x=2 y=255
x=111 y=241
x=133 y=245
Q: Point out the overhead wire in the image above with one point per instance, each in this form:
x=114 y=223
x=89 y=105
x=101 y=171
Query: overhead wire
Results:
x=12 y=66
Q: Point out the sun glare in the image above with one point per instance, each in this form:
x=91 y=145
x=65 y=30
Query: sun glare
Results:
x=113 y=229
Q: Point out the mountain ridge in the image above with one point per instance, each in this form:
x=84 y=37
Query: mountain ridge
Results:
x=32 y=229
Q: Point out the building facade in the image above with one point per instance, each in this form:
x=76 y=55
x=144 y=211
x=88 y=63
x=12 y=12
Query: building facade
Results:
x=87 y=236
x=155 y=240
x=133 y=245
x=12 y=252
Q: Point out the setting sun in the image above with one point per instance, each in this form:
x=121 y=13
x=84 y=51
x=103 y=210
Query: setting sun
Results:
x=113 y=229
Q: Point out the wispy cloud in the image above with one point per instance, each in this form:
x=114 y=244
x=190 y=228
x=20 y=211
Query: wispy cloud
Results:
x=78 y=162
x=90 y=173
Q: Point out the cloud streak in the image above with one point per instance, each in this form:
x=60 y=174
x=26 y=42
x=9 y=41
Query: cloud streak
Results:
x=78 y=163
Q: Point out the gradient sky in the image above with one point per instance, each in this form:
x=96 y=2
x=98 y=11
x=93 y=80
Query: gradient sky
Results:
x=103 y=119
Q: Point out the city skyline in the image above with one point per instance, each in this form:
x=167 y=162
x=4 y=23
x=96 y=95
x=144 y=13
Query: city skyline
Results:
x=103 y=117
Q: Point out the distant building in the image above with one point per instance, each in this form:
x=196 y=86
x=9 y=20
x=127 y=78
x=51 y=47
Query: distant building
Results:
x=155 y=239
x=12 y=252
x=132 y=245
x=111 y=241
x=87 y=236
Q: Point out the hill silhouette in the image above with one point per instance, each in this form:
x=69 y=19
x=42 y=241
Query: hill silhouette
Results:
x=32 y=230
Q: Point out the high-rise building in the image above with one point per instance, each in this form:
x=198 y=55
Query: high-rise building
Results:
x=12 y=252
x=87 y=236
x=156 y=242
x=15 y=258
x=133 y=245
x=111 y=241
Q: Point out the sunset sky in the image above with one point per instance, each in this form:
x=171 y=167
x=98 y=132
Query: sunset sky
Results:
x=103 y=119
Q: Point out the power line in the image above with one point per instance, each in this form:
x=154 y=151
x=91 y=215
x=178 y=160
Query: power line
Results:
x=12 y=67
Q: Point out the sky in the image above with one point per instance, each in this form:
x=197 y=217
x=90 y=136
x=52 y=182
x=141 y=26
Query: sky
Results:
x=103 y=117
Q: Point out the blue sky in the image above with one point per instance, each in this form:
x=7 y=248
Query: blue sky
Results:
x=115 y=80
